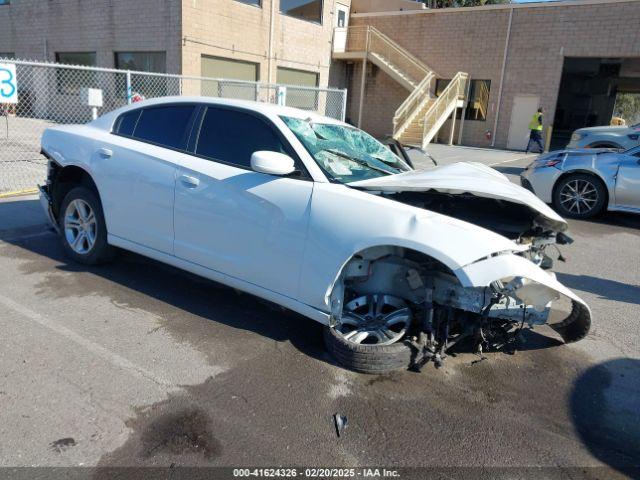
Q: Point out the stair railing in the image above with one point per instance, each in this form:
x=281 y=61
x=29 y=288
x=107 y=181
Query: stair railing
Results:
x=382 y=45
x=412 y=105
x=365 y=38
x=455 y=91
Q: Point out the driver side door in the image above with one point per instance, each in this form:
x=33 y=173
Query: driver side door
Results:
x=231 y=219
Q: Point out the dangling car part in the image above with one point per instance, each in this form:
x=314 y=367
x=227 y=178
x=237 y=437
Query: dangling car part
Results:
x=438 y=312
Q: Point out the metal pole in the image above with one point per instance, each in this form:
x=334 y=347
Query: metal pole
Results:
x=344 y=104
x=504 y=67
x=464 y=111
x=453 y=123
x=364 y=79
x=129 y=91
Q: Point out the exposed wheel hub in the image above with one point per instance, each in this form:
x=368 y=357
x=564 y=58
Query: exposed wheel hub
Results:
x=375 y=319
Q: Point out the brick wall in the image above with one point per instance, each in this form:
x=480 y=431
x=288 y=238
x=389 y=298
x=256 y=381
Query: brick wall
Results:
x=36 y=30
x=473 y=40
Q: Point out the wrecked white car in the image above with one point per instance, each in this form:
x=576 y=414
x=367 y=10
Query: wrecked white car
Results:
x=316 y=216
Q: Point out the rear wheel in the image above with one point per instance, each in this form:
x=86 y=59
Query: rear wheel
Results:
x=579 y=196
x=82 y=226
x=370 y=337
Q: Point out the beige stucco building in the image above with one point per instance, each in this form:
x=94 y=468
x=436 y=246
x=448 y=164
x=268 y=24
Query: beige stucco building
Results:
x=265 y=40
x=571 y=58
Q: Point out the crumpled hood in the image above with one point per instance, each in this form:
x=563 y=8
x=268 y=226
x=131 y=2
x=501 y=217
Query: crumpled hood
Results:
x=466 y=177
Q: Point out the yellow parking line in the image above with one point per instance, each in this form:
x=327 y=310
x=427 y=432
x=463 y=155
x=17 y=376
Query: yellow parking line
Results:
x=15 y=193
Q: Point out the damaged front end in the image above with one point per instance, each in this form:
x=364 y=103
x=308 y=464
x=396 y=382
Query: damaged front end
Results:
x=388 y=294
x=481 y=196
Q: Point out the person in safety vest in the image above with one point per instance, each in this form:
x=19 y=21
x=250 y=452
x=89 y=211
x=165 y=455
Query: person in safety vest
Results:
x=535 y=137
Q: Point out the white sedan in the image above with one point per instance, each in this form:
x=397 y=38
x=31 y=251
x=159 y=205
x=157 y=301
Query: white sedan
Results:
x=316 y=216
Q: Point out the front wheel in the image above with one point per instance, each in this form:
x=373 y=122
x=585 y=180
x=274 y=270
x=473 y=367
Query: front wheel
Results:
x=82 y=226
x=579 y=196
x=370 y=337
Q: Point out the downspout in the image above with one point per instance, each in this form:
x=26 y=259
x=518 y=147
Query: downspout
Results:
x=504 y=67
x=270 y=53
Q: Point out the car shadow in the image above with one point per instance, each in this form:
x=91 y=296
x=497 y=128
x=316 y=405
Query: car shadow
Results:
x=618 y=219
x=509 y=170
x=195 y=295
x=603 y=287
x=604 y=403
x=176 y=288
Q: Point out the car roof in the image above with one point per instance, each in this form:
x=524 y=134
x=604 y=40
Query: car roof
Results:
x=268 y=109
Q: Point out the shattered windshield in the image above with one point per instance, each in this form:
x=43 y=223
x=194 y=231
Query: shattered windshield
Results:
x=344 y=153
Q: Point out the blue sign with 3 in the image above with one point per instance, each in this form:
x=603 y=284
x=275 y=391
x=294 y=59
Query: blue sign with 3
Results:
x=8 y=83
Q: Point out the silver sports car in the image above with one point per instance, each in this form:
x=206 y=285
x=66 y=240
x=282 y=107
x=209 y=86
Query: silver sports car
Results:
x=582 y=183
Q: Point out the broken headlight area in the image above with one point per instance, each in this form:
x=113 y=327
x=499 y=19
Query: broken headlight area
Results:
x=388 y=295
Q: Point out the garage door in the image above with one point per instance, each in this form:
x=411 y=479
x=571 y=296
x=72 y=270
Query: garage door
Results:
x=299 y=98
x=217 y=67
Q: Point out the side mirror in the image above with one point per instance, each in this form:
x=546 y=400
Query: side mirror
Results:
x=273 y=163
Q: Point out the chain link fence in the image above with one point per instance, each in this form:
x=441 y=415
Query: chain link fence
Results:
x=47 y=94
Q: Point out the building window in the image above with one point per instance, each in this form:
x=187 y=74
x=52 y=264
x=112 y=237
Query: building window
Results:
x=478 y=101
x=299 y=97
x=70 y=81
x=478 y=105
x=146 y=85
x=4 y=2
x=229 y=70
x=310 y=10
x=256 y=3
x=87 y=59
x=7 y=55
x=142 y=61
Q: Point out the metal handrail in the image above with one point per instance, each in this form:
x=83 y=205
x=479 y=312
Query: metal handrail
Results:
x=452 y=93
x=412 y=104
x=365 y=38
x=421 y=68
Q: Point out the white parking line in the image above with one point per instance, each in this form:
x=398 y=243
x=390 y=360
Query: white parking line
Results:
x=511 y=160
x=93 y=347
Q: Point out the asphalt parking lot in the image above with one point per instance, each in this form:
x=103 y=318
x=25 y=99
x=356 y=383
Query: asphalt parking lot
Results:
x=136 y=363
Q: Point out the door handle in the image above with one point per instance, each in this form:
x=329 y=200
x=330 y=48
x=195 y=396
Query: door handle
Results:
x=105 y=153
x=189 y=181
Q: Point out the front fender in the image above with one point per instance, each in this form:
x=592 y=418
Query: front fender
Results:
x=345 y=221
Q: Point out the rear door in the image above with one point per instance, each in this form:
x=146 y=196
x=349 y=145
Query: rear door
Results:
x=136 y=173
x=242 y=223
x=628 y=180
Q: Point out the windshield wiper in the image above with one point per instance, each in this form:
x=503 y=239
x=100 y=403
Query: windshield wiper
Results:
x=359 y=161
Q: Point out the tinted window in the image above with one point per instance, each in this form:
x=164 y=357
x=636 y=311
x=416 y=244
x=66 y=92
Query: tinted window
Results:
x=166 y=126
x=232 y=137
x=127 y=123
x=310 y=10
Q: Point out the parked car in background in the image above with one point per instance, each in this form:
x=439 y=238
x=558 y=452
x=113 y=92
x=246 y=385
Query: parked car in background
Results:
x=621 y=137
x=581 y=183
x=316 y=216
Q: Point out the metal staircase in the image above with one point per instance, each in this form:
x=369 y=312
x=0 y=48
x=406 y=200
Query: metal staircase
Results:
x=422 y=114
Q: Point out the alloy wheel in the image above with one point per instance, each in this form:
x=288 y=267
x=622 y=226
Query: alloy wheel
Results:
x=80 y=226
x=579 y=196
x=374 y=319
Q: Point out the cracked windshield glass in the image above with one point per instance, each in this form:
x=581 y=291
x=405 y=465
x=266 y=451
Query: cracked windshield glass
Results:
x=344 y=153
